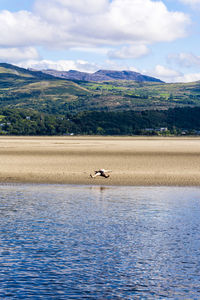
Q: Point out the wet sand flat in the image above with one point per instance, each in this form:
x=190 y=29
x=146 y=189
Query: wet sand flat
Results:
x=133 y=160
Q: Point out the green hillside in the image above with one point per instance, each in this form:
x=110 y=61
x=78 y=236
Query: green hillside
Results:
x=120 y=95
x=21 y=88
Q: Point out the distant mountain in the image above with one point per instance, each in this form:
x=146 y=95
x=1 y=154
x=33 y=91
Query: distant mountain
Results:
x=101 y=75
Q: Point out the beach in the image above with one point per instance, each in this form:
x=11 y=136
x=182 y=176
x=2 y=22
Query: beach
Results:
x=134 y=161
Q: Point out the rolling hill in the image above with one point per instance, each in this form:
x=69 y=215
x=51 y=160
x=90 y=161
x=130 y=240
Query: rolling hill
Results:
x=22 y=88
x=33 y=89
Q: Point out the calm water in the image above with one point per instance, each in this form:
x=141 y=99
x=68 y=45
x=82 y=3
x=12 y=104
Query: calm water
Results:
x=75 y=242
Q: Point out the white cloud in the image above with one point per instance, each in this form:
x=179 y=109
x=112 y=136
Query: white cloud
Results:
x=60 y=65
x=170 y=75
x=89 y=23
x=185 y=59
x=163 y=73
x=80 y=65
x=23 y=29
x=18 y=54
x=133 y=51
x=188 y=77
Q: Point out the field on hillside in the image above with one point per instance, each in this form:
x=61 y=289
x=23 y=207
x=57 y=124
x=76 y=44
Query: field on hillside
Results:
x=146 y=95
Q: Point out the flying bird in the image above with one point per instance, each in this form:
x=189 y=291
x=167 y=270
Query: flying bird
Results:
x=101 y=172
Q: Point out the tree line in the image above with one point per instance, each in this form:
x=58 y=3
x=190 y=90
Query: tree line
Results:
x=148 y=122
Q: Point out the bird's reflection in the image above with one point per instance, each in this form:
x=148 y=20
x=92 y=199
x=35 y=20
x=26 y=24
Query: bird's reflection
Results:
x=99 y=192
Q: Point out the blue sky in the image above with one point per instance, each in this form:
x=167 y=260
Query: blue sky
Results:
x=157 y=38
x=16 y=5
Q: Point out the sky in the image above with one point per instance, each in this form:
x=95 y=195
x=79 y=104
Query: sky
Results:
x=156 y=38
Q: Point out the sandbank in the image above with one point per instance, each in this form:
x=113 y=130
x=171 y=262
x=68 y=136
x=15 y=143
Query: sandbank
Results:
x=70 y=160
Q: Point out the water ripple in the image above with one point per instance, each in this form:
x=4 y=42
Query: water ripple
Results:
x=74 y=242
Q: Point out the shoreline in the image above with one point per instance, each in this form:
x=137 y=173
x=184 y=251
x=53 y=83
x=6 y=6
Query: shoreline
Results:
x=165 y=182
x=94 y=186
x=134 y=161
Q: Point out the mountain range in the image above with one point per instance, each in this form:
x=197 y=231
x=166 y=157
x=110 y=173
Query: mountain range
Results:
x=101 y=75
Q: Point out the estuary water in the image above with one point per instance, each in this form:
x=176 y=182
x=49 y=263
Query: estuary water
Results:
x=82 y=242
